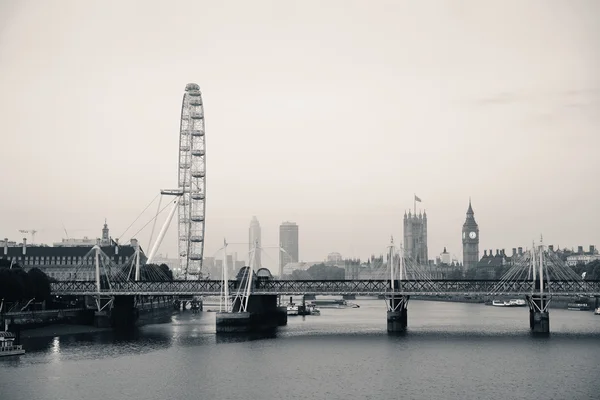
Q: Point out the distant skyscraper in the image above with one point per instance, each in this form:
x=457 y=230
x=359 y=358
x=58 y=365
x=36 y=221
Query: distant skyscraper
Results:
x=254 y=235
x=288 y=240
x=415 y=237
x=470 y=240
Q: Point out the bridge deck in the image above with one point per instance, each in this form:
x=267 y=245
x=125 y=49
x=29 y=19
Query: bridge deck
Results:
x=330 y=287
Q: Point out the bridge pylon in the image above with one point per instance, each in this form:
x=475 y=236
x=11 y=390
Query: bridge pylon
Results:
x=397 y=313
x=248 y=311
x=539 y=300
x=397 y=303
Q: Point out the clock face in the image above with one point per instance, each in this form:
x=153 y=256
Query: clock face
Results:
x=472 y=235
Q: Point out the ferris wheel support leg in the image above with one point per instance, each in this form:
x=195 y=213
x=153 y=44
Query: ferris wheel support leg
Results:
x=163 y=231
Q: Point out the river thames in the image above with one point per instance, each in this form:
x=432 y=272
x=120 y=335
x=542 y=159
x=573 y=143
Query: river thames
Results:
x=451 y=351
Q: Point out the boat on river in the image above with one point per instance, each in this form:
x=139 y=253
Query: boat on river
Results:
x=516 y=303
x=8 y=346
x=597 y=311
x=334 y=303
x=578 y=306
x=292 y=309
x=306 y=309
x=510 y=303
x=313 y=309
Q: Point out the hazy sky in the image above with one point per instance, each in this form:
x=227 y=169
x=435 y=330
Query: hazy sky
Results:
x=327 y=113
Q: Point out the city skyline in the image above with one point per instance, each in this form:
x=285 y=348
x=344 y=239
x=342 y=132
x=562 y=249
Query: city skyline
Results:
x=457 y=253
x=479 y=106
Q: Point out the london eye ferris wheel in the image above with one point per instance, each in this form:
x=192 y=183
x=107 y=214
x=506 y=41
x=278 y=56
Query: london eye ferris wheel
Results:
x=191 y=182
x=191 y=187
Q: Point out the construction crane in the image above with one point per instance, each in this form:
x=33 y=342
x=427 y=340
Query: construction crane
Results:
x=31 y=231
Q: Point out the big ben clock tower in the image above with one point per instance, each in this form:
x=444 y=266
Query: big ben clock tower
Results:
x=470 y=240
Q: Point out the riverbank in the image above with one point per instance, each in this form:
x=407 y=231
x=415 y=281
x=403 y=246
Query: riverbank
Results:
x=555 y=303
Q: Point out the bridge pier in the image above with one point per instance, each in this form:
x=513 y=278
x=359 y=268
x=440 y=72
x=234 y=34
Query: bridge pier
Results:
x=124 y=312
x=262 y=314
x=539 y=317
x=397 y=314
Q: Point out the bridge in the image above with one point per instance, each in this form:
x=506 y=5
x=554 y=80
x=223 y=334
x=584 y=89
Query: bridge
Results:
x=563 y=288
x=538 y=276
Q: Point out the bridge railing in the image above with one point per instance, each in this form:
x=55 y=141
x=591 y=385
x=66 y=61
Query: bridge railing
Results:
x=331 y=287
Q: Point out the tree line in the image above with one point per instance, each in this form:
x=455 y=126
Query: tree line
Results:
x=318 y=272
x=17 y=285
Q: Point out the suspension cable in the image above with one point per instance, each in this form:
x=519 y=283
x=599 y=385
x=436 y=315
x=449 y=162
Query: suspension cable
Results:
x=152 y=219
x=138 y=217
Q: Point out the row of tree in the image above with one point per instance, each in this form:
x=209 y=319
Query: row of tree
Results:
x=17 y=285
x=592 y=270
x=318 y=272
x=151 y=272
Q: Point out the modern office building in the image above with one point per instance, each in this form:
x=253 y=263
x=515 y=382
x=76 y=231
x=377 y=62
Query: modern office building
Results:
x=288 y=241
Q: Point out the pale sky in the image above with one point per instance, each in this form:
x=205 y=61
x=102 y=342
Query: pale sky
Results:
x=330 y=114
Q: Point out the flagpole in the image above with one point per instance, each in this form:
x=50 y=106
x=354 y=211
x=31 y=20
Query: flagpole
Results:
x=415 y=203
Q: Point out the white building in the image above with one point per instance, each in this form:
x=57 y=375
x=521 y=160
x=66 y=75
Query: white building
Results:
x=582 y=259
x=445 y=257
x=334 y=258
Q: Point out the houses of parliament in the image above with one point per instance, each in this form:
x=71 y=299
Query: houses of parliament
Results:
x=415 y=238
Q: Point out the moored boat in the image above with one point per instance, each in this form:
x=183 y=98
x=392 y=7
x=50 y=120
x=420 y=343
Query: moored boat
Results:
x=7 y=345
x=578 y=306
x=334 y=303
x=597 y=311
x=498 y=303
x=313 y=309
x=292 y=309
x=516 y=303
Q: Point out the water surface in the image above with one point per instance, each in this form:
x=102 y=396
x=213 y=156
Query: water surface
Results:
x=451 y=351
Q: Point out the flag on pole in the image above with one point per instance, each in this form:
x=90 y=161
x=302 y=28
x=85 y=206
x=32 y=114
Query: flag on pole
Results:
x=417 y=198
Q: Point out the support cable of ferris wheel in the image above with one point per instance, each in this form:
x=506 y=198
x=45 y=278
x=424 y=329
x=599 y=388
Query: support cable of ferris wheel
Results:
x=154 y=224
x=163 y=231
x=139 y=215
x=146 y=224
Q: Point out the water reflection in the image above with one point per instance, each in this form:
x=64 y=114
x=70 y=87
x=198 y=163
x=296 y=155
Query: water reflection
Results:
x=245 y=337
